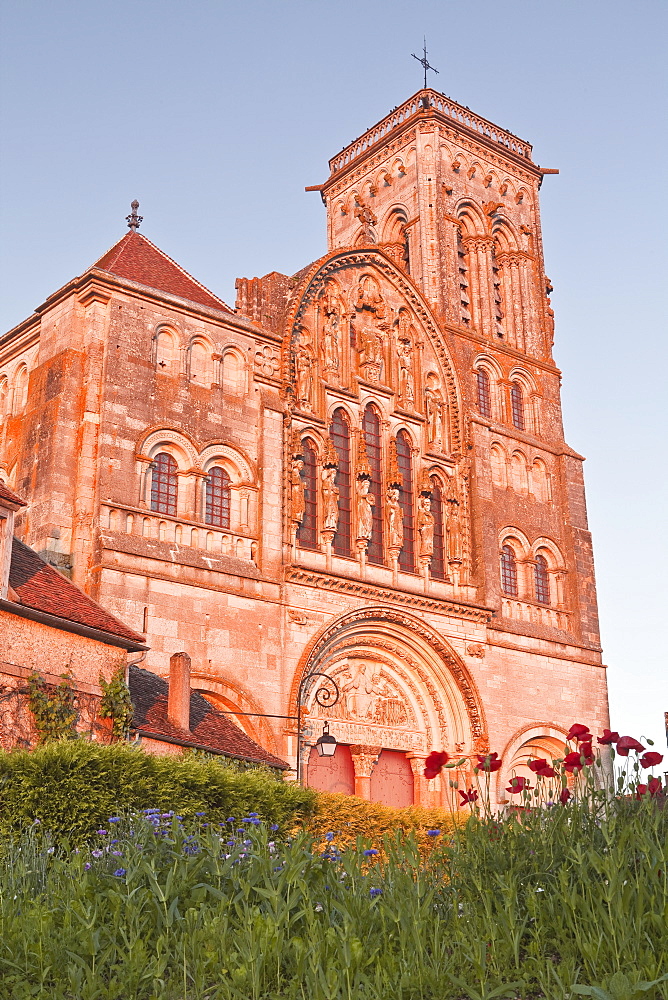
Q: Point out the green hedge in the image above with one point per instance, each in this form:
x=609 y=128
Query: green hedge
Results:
x=73 y=787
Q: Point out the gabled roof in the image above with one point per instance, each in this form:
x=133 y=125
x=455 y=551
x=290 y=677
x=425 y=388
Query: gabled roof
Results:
x=8 y=496
x=137 y=259
x=209 y=730
x=40 y=587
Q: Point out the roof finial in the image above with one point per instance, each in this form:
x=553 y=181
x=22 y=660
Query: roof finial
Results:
x=133 y=219
x=424 y=62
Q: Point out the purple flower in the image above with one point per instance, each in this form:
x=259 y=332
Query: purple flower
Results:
x=120 y=872
x=200 y=814
x=87 y=866
x=433 y=833
x=117 y=854
x=273 y=827
x=375 y=892
x=96 y=854
x=114 y=819
x=369 y=853
x=329 y=835
x=103 y=833
x=230 y=819
x=253 y=815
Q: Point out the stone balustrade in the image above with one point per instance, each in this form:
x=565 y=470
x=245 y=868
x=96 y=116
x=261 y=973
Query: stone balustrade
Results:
x=175 y=531
x=537 y=614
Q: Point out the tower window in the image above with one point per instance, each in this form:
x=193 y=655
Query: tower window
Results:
x=217 y=504
x=164 y=484
x=371 y=430
x=437 y=568
x=406 y=556
x=517 y=405
x=339 y=432
x=541 y=580
x=307 y=534
x=484 y=394
x=508 y=571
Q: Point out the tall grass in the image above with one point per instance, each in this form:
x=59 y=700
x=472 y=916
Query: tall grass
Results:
x=527 y=906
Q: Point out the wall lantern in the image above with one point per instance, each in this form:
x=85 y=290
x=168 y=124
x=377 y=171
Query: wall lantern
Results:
x=326 y=743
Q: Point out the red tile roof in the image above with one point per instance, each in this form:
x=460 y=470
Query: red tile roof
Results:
x=10 y=497
x=137 y=259
x=209 y=730
x=42 y=588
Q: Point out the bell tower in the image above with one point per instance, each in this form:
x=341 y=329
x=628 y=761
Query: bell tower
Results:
x=453 y=199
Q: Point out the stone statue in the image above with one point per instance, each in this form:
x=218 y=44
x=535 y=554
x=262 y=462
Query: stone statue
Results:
x=425 y=527
x=434 y=406
x=395 y=519
x=371 y=347
x=369 y=297
x=453 y=531
x=297 y=490
x=304 y=364
x=365 y=505
x=333 y=310
x=330 y=499
x=406 y=378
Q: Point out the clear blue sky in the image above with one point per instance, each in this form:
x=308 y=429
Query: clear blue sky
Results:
x=217 y=114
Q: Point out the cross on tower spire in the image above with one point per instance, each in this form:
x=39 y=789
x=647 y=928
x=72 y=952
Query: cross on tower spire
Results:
x=133 y=220
x=424 y=62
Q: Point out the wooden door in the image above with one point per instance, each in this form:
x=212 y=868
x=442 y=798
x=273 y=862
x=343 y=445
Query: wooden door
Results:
x=392 y=779
x=332 y=774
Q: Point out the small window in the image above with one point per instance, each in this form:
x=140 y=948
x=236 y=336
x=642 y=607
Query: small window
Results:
x=374 y=450
x=232 y=373
x=508 y=571
x=199 y=362
x=21 y=389
x=484 y=395
x=542 y=580
x=307 y=534
x=406 y=556
x=164 y=484
x=339 y=432
x=217 y=505
x=166 y=352
x=517 y=405
x=437 y=568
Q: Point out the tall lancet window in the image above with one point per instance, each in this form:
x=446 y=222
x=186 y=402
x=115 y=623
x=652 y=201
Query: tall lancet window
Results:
x=508 y=571
x=339 y=433
x=437 y=567
x=541 y=580
x=371 y=431
x=484 y=395
x=407 y=554
x=307 y=535
x=164 y=484
x=217 y=498
x=517 y=406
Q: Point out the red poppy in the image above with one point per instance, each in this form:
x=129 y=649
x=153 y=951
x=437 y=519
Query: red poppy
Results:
x=653 y=786
x=565 y=796
x=626 y=743
x=608 y=737
x=587 y=752
x=542 y=768
x=578 y=732
x=520 y=784
x=489 y=763
x=651 y=758
x=470 y=796
x=577 y=759
x=436 y=760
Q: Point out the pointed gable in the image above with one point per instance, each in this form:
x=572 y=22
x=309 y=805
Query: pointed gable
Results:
x=137 y=259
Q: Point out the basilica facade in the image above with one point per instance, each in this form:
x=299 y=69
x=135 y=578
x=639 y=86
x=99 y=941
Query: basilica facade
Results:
x=358 y=473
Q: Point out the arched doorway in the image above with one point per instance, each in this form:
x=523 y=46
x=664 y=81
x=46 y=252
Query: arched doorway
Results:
x=392 y=780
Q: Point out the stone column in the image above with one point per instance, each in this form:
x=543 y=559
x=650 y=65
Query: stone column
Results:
x=364 y=760
x=420 y=791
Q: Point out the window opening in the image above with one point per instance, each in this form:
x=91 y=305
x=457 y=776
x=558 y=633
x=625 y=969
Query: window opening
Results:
x=307 y=533
x=407 y=555
x=164 y=484
x=371 y=430
x=542 y=580
x=217 y=504
x=339 y=432
x=508 y=571
x=437 y=567
x=484 y=395
x=517 y=405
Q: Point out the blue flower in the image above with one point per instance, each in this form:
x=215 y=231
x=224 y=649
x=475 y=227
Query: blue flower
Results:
x=87 y=866
x=115 y=841
x=273 y=827
x=253 y=815
x=103 y=833
x=200 y=814
x=329 y=835
x=230 y=819
x=433 y=833
x=117 y=854
x=120 y=872
x=114 y=819
x=370 y=853
x=375 y=892
x=97 y=854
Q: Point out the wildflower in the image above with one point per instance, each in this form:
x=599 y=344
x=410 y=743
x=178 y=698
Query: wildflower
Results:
x=435 y=762
x=608 y=737
x=489 y=763
x=97 y=854
x=117 y=854
x=120 y=872
x=114 y=819
x=651 y=758
x=87 y=866
x=579 y=733
x=230 y=819
x=565 y=796
x=542 y=768
x=370 y=852
x=653 y=787
x=253 y=815
x=200 y=814
x=318 y=907
x=520 y=784
x=470 y=796
x=103 y=833
x=433 y=833
x=375 y=892
x=115 y=841
x=329 y=835
x=273 y=827
x=577 y=759
x=626 y=743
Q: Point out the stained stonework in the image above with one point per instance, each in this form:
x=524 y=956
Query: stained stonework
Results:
x=362 y=470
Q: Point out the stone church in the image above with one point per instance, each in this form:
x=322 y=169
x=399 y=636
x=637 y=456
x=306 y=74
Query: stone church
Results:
x=358 y=472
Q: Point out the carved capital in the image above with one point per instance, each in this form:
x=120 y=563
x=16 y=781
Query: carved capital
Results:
x=364 y=759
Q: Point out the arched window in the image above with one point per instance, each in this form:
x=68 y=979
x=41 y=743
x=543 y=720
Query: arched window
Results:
x=508 y=571
x=498 y=466
x=307 y=533
x=217 y=499
x=164 y=484
x=20 y=389
x=541 y=580
x=199 y=362
x=339 y=432
x=165 y=351
x=4 y=389
x=407 y=554
x=484 y=395
x=232 y=374
x=371 y=430
x=437 y=567
x=517 y=405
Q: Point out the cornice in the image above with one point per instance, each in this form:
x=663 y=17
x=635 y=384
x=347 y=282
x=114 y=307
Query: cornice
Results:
x=503 y=348
x=356 y=588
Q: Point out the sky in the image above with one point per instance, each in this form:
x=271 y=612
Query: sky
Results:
x=217 y=114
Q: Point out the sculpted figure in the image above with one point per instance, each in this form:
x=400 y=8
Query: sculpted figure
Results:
x=395 y=519
x=365 y=505
x=369 y=296
x=304 y=363
x=330 y=498
x=406 y=379
x=371 y=348
x=297 y=490
x=425 y=526
x=333 y=310
x=434 y=406
x=453 y=530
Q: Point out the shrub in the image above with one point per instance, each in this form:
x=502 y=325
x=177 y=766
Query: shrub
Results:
x=73 y=787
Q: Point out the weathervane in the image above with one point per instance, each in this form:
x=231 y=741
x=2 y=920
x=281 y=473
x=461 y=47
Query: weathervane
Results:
x=424 y=62
x=134 y=220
